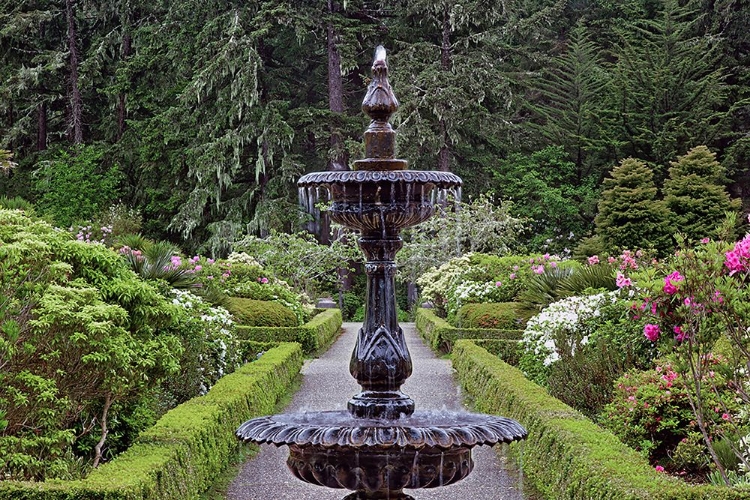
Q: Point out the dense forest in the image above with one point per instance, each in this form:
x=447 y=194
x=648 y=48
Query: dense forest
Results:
x=202 y=115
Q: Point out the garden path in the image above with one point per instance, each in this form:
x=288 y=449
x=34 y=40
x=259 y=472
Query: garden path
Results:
x=327 y=385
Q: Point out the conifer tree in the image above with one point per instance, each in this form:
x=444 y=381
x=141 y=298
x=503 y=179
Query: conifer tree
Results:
x=695 y=192
x=630 y=215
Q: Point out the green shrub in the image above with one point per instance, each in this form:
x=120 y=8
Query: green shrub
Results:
x=440 y=335
x=314 y=335
x=651 y=411
x=566 y=455
x=249 y=312
x=76 y=185
x=79 y=331
x=502 y=315
x=189 y=447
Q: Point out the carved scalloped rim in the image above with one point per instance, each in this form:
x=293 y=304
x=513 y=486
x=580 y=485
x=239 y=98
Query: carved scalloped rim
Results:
x=484 y=430
x=441 y=179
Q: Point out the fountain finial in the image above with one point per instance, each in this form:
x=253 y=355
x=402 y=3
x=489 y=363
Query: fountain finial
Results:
x=379 y=104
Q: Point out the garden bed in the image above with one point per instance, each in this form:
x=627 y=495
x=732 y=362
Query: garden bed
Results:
x=441 y=335
x=189 y=446
x=566 y=455
x=315 y=335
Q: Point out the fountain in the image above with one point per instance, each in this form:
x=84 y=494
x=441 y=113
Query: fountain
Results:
x=380 y=444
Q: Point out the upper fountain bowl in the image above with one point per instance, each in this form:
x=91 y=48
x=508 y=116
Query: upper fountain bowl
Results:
x=380 y=202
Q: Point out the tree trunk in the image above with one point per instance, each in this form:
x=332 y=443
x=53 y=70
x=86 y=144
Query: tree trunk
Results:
x=76 y=104
x=444 y=156
x=338 y=159
x=127 y=47
x=41 y=134
x=105 y=431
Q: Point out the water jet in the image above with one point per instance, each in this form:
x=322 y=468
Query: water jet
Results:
x=380 y=444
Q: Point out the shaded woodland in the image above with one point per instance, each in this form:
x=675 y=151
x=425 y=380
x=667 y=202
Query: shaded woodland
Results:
x=202 y=115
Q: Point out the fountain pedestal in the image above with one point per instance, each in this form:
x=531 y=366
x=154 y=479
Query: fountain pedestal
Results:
x=381 y=445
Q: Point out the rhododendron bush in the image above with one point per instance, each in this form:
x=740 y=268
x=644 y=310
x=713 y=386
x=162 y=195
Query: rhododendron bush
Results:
x=696 y=306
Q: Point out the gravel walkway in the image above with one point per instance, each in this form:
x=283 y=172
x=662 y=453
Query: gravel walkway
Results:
x=327 y=385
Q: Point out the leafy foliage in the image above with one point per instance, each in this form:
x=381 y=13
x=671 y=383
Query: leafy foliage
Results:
x=630 y=214
x=695 y=193
x=81 y=334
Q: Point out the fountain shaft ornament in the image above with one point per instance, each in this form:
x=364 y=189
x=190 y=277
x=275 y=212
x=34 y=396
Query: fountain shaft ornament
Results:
x=380 y=445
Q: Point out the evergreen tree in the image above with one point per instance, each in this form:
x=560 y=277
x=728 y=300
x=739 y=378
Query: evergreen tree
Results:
x=569 y=106
x=630 y=215
x=695 y=192
x=670 y=88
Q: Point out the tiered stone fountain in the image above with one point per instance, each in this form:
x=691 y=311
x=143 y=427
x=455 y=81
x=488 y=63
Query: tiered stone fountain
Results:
x=381 y=445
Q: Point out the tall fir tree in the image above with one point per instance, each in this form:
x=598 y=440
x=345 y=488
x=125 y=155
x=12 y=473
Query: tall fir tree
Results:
x=670 y=88
x=630 y=214
x=695 y=192
x=568 y=104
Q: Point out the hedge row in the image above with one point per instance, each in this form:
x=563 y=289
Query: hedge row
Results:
x=566 y=455
x=315 y=335
x=189 y=446
x=441 y=335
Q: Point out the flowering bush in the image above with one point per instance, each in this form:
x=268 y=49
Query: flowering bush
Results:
x=478 y=278
x=690 y=302
x=561 y=328
x=652 y=413
x=208 y=335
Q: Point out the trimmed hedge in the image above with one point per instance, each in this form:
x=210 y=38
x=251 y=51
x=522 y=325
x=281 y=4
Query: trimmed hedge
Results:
x=316 y=334
x=566 y=455
x=250 y=312
x=181 y=455
x=440 y=335
x=502 y=315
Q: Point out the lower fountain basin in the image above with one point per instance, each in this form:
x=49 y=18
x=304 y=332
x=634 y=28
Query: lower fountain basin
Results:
x=378 y=457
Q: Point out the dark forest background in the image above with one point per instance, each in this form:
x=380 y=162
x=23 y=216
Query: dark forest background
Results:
x=201 y=115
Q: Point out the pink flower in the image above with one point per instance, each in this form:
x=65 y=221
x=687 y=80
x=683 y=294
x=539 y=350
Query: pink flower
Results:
x=512 y=276
x=594 y=259
x=669 y=282
x=611 y=260
x=538 y=269
x=553 y=264
x=651 y=332
x=705 y=240
x=725 y=416
x=198 y=268
x=498 y=283
x=679 y=334
x=659 y=468
x=622 y=281
x=210 y=261
x=263 y=280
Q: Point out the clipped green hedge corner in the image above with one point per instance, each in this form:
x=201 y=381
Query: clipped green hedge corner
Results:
x=566 y=455
x=181 y=455
x=316 y=334
x=495 y=315
x=440 y=335
x=250 y=312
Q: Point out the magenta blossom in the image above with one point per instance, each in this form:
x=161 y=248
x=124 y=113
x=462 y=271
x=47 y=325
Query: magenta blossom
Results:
x=651 y=332
x=594 y=259
x=679 y=334
x=669 y=282
x=622 y=281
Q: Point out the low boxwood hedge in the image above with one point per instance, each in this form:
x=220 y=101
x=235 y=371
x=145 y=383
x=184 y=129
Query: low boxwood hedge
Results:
x=440 y=335
x=316 y=334
x=566 y=455
x=496 y=315
x=180 y=456
x=250 y=312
